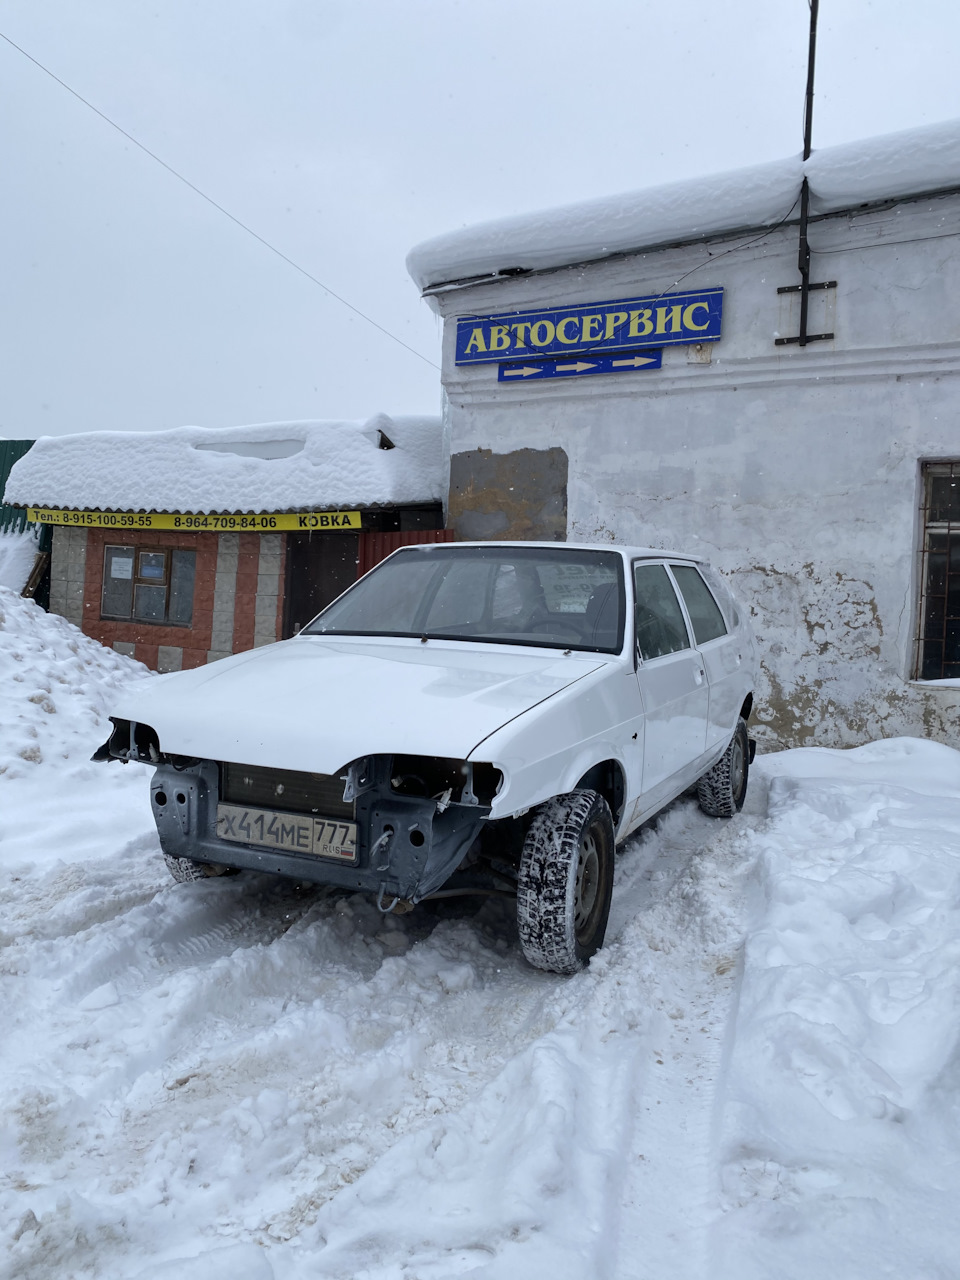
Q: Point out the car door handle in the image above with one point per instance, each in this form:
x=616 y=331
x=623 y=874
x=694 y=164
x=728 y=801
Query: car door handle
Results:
x=698 y=675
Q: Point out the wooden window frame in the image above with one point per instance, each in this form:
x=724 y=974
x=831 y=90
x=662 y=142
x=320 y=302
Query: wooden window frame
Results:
x=140 y=580
x=932 y=630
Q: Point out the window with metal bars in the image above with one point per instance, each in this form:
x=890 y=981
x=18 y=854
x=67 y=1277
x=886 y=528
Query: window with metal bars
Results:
x=938 y=646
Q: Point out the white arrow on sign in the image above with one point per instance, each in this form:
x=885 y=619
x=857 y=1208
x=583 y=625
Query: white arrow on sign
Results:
x=637 y=360
x=525 y=372
x=575 y=368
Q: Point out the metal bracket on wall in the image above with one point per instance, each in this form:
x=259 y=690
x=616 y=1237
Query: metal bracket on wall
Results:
x=803 y=338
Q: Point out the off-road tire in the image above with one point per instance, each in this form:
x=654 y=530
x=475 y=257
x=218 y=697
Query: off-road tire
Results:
x=566 y=881
x=722 y=789
x=184 y=870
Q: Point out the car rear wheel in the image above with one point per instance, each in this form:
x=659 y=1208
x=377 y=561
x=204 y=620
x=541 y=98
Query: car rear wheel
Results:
x=723 y=789
x=566 y=881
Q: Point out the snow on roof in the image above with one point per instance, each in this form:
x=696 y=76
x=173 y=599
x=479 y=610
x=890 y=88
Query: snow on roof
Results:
x=274 y=467
x=890 y=167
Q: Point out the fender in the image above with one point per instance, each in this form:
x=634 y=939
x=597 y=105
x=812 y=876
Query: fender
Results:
x=546 y=751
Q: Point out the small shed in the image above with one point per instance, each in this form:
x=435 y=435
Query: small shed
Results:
x=180 y=547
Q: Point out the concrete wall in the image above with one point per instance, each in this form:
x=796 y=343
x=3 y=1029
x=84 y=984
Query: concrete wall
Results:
x=68 y=563
x=796 y=471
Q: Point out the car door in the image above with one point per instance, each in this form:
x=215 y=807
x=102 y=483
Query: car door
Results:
x=720 y=652
x=673 y=686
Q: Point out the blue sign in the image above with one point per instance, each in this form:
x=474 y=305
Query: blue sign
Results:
x=581 y=367
x=622 y=325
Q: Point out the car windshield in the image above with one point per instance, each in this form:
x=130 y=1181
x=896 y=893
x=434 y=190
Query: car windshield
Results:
x=562 y=598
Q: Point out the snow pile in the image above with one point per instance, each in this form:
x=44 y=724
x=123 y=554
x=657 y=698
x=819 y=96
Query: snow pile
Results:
x=57 y=686
x=843 y=1103
x=276 y=467
x=17 y=554
x=895 y=165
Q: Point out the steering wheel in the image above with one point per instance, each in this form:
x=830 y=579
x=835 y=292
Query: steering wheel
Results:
x=556 y=625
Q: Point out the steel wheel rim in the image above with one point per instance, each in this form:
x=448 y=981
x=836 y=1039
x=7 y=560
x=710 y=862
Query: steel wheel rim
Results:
x=588 y=882
x=737 y=766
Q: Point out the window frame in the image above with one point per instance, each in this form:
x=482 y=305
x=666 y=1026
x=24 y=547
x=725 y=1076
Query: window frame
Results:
x=929 y=471
x=493 y=551
x=139 y=580
x=691 y=624
x=690 y=646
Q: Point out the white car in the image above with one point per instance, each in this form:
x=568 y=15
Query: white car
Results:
x=489 y=717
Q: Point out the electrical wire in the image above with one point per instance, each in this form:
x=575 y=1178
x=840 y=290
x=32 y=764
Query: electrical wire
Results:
x=733 y=249
x=219 y=207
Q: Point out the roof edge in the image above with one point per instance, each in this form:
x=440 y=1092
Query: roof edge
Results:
x=907 y=165
x=755 y=231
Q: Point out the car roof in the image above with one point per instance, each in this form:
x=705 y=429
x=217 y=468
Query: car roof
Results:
x=629 y=553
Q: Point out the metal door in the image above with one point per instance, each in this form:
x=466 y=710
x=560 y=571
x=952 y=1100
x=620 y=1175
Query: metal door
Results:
x=672 y=682
x=720 y=652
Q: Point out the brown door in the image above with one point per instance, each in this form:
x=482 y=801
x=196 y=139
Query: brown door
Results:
x=320 y=566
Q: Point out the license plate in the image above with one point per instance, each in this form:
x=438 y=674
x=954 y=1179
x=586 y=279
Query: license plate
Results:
x=293 y=832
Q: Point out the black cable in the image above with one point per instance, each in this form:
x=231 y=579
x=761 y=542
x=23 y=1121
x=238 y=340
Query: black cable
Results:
x=733 y=249
x=219 y=207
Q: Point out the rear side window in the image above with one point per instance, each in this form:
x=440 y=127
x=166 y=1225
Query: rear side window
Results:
x=704 y=612
x=659 y=619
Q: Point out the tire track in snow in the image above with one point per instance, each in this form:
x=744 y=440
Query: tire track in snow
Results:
x=323 y=1003
x=687 y=908
x=670 y=1195
x=299 y=1039
x=540 y=1165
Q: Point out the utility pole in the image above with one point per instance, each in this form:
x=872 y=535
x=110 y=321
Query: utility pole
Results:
x=811 y=60
x=803 y=262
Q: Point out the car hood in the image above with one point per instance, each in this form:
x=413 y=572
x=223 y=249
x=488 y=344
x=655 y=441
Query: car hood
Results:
x=316 y=703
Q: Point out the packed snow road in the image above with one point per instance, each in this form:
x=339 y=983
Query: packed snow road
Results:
x=757 y=1076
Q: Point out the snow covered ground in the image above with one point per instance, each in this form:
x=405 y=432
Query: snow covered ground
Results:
x=758 y=1076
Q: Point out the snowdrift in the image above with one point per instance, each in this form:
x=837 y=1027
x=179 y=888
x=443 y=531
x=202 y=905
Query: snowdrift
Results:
x=56 y=684
x=55 y=804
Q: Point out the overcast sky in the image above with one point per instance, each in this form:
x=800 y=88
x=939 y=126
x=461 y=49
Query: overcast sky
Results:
x=344 y=132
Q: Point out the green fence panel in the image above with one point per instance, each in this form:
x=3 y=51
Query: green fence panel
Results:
x=12 y=519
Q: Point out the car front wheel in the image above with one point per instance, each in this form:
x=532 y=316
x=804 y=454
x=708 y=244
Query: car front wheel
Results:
x=566 y=881
x=184 y=870
x=723 y=789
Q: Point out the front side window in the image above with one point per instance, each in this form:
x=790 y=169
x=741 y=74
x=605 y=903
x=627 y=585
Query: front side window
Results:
x=659 y=618
x=568 y=599
x=939 y=639
x=148 y=585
